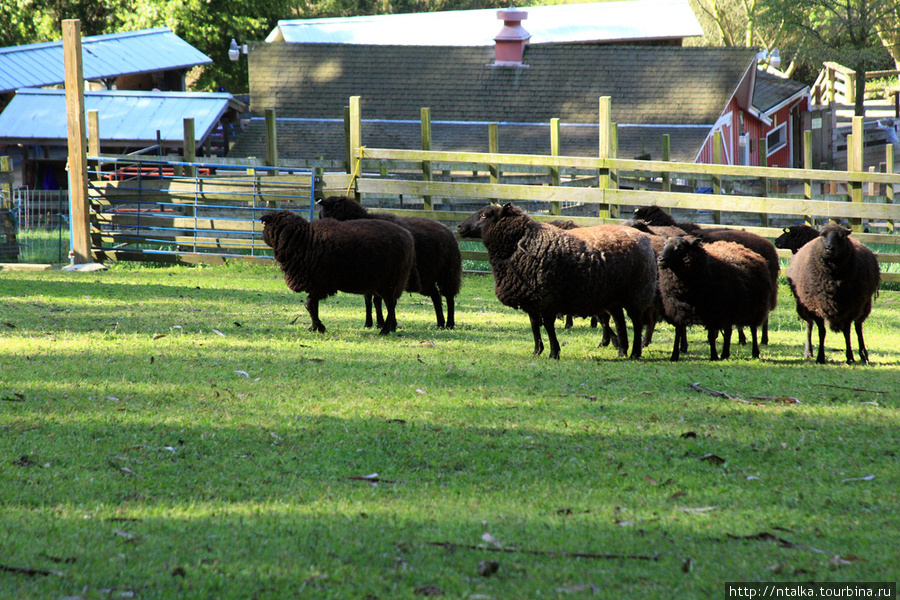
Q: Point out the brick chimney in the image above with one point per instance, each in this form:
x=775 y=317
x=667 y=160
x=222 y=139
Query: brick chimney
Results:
x=509 y=45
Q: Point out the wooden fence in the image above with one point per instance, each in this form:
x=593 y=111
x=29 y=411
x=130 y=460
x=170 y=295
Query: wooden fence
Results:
x=448 y=186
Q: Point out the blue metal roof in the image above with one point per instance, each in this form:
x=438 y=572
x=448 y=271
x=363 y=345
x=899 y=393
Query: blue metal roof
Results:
x=609 y=22
x=104 y=56
x=127 y=118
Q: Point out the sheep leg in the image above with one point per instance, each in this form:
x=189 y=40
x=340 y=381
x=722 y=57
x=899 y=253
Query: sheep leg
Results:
x=637 y=323
x=390 y=324
x=536 y=332
x=570 y=322
x=847 y=345
x=451 y=322
x=765 y=332
x=651 y=326
x=680 y=332
x=368 y=300
x=437 y=302
x=379 y=317
x=807 y=344
x=863 y=353
x=312 y=307
x=711 y=334
x=726 y=343
x=742 y=339
x=621 y=338
x=755 y=346
x=550 y=325
x=608 y=334
x=820 y=356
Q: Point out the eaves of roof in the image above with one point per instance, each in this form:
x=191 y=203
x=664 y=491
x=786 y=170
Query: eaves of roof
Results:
x=126 y=118
x=104 y=56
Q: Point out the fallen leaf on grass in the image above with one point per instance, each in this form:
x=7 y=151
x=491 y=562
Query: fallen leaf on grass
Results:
x=763 y=536
x=579 y=587
x=244 y=373
x=652 y=481
x=429 y=590
x=159 y=336
x=712 y=458
x=865 y=478
x=128 y=537
x=10 y=325
x=486 y=568
x=688 y=435
x=29 y=571
x=372 y=478
x=843 y=561
x=697 y=510
x=217 y=332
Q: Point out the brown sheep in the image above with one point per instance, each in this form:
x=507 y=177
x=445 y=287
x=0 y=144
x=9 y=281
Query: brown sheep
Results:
x=327 y=256
x=834 y=279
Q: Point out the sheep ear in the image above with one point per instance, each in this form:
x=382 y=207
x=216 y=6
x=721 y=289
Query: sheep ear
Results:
x=507 y=208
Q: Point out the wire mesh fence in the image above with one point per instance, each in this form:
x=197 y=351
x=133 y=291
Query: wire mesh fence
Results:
x=40 y=222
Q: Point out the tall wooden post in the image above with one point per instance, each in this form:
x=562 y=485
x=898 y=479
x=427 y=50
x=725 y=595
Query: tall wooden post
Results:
x=889 y=188
x=94 y=139
x=855 y=164
x=79 y=208
x=271 y=140
x=425 y=113
x=494 y=148
x=555 y=207
x=666 y=153
x=717 y=180
x=605 y=121
x=190 y=145
x=355 y=140
x=807 y=164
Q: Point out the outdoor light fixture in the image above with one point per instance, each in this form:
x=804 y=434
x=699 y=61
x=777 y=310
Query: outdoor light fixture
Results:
x=234 y=51
x=773 y=57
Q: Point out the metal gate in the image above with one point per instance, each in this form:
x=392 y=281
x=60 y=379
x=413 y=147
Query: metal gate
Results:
x=163 y=211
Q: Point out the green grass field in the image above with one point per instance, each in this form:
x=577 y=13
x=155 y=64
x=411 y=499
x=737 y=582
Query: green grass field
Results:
x=178 y=433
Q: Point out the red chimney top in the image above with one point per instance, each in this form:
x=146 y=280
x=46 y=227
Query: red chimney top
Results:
x=509 y=47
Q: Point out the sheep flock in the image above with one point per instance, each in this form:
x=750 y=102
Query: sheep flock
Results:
x=650 y=269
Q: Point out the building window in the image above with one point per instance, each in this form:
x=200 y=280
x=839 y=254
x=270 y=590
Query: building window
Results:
x=776 y=139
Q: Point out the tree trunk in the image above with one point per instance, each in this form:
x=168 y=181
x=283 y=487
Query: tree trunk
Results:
x=859 y=107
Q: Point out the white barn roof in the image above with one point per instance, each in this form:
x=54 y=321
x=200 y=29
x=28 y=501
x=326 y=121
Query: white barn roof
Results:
x=104 y=56
x=607 y=22
x=127 y=118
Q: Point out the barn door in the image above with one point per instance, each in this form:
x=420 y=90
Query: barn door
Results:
x=820 y=123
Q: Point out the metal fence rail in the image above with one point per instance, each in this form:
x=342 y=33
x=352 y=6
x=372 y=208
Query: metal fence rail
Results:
x=175 y=211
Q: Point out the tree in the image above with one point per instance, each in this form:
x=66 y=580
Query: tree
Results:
x=840 y=30
x=888 y=29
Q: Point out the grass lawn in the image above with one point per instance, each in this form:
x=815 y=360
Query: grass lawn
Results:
x=178 y=433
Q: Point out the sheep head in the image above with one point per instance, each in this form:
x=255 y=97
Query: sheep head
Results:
x=835 y=243
x=795 y=237
x=275 y=222
x=341 y=208
x=679 y=251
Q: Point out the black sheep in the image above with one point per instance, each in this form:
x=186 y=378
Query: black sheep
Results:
x=327 y=256
x=795 y=237
x=655 y=216
x=438 y=258
x=761 y=246
x=718 y=285
x=547 y=271
x=834 y=279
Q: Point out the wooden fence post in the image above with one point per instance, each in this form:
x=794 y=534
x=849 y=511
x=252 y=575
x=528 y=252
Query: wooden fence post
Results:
x=889 y=187
x=807 y=163
x=271 y=140
x=666 y=153
x=94 y=139
x=190 y=146
x=555 y=206
x=603 y=175
x=355 y=141
x=613 y=173
x=425 y=113
x=854 y=165
x=764 y=181
x=79 y=206
x=716 y=179
x=348 y=152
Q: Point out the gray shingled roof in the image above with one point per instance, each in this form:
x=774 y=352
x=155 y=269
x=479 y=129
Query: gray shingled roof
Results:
x=682 y=89
x=648 y=85
x=771 y=91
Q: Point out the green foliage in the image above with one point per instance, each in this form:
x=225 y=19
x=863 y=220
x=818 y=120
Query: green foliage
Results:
x=177 y=433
